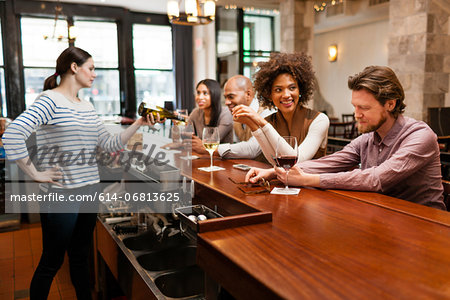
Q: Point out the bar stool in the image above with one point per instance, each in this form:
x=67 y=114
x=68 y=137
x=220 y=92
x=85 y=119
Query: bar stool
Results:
x=446 y=185
x=344 y=130
x=348 y=117
x=444 y=143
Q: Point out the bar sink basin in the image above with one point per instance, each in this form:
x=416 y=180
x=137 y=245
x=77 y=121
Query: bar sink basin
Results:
x=167 y=259
x=182 y=283
x=149 y=241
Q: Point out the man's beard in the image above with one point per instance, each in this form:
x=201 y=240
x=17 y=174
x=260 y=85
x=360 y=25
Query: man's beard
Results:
x=371 y=128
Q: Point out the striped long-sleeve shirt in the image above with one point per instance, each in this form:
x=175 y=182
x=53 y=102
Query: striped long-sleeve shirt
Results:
x=67 y=134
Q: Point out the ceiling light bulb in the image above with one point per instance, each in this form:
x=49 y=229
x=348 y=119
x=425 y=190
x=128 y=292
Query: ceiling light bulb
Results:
x=191 y=7
x=209 y=8
x=172 y=8
x=73 y=32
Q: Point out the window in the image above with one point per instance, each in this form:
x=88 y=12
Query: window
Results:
x=39 y=59
x=103 y=46
x=4 y=109
x=257 y=43
x=245 y=37
x=151 y=71
x=39 y=55
x=152 y=52
x=227 y=42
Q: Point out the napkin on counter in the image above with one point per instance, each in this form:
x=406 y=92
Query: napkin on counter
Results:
x=207 y=169
x=281 y=191
x=192 y=157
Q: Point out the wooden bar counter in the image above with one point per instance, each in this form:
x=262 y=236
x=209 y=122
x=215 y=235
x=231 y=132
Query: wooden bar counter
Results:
x=325 y=244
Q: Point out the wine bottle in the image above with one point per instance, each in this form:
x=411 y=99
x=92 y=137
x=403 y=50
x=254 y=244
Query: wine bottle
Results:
x=163 y=113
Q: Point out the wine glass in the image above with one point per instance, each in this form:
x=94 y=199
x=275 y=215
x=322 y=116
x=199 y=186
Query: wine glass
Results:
x=176 y=134
x=186 y=137
x=211 y=140
x=286 y=156
x=183 y=113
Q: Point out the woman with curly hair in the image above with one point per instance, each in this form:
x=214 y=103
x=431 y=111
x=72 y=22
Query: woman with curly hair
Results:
x=286 y=82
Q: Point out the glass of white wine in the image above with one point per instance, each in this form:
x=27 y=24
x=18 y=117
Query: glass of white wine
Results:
x=211 y=140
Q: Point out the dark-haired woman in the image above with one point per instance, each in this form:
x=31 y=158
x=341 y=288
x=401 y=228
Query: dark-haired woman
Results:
x=70 y=125
x=210 y=113
x=286 y=82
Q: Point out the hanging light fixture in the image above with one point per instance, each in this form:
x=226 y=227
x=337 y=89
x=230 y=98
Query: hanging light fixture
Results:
x=70 y=36
x=196 y=12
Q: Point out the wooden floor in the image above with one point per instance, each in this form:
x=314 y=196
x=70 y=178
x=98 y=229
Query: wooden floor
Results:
x=20 y=251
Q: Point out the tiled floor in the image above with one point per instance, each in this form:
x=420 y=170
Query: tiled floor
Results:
x=20 y=252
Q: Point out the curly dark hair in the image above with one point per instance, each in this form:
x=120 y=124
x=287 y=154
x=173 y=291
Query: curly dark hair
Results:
x=383 y=84
x=296 y=64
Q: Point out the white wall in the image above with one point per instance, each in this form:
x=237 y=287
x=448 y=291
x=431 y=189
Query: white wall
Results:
x=277 y=32
x=204 y=52
x=358 y=47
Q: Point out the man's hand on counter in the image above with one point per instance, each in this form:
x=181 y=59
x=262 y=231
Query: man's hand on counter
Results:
x=197 y=145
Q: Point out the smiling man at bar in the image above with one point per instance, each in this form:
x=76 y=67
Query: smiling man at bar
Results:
x=398 y=156
x=238 y=90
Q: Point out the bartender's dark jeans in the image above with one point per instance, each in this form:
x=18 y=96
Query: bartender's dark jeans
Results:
x=61 y=232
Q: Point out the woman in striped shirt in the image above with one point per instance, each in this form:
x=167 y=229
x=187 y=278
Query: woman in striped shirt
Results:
x=68 y=132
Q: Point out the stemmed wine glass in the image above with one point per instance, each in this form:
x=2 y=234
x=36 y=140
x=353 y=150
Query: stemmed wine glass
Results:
x=211 y=140
x=176 y=134
x=186 y=136
x=183 y=113
x=286 y=157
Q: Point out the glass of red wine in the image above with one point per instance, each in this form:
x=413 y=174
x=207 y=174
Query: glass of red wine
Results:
x=286 y=157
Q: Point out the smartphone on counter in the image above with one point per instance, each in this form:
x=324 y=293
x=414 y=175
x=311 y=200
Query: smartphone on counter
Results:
x=242 y=167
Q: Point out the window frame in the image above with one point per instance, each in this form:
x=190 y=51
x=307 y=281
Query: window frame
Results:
x=2 y=66
x=172 y=70
x=257 y=53
x=240 y=25
x=14 y=69
x=97 y=68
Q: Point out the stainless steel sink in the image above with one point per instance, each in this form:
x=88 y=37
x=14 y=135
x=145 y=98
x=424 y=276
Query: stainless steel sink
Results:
x=182 y=283
x=167 y=259
x=150 y=241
